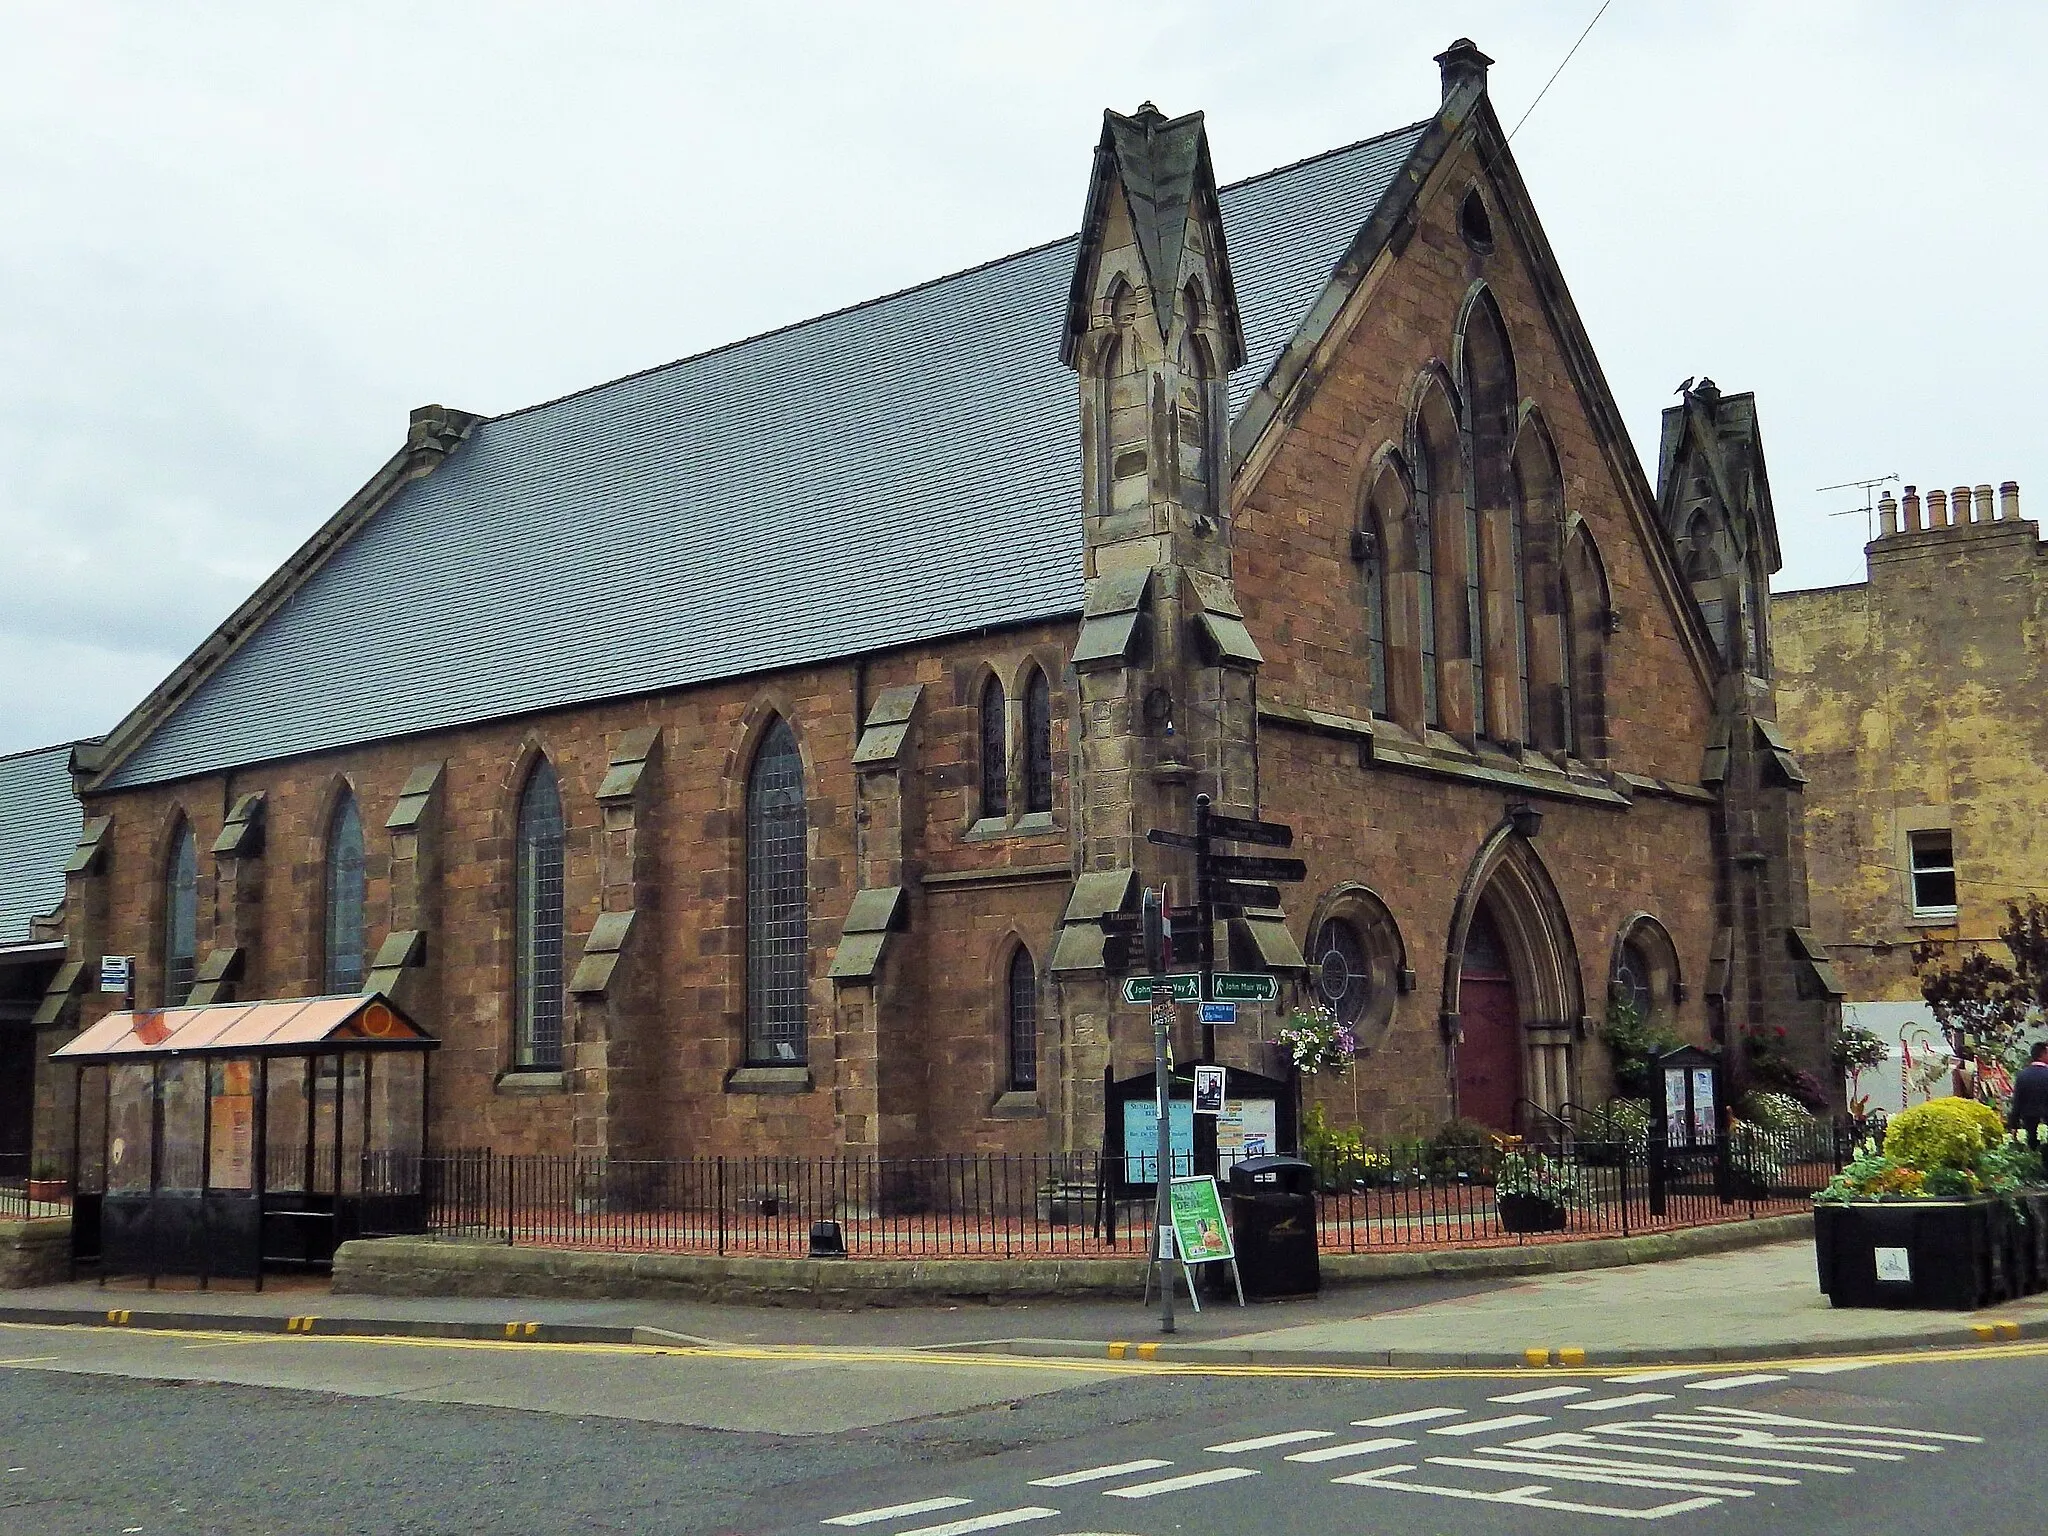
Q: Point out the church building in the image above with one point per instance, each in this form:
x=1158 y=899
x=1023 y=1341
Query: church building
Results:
x=740 y=756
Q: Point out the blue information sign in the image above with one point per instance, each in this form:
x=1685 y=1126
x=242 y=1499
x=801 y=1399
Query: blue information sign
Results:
x=1141 y=1139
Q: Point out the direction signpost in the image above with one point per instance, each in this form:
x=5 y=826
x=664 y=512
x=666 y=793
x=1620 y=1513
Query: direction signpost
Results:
x=1244 y=987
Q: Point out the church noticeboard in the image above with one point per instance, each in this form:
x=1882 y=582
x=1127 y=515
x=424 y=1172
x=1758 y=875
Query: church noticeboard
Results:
x=1141 y=1138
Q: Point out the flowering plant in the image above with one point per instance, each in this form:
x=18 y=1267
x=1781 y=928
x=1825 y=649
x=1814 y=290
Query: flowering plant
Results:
x=1318 y=1040
x=1525 y=1171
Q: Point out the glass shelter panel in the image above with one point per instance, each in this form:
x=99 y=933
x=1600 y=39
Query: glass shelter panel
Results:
x=285 y=1124
x=92 y=1130
x=182 y=1087
x=131 y=1116
x=397 y=1123
x=326 y=1083
x=231 y=1126
x=355 y=1121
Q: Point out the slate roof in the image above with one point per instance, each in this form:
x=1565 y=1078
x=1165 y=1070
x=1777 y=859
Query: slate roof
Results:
x=39 y=822
x=887 y=474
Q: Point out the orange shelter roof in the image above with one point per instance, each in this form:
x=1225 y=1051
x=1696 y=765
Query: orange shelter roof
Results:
x=300 y=1023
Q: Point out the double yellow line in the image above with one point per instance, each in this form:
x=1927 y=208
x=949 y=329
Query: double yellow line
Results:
x=1135 y=1360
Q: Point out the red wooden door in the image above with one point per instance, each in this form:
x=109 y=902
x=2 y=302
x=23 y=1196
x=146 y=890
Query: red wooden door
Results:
x=1490 y=1026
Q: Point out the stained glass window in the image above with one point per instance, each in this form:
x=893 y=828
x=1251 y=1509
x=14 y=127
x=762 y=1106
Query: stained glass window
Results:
x=537 y=1043
x=181 y=918
x=345 y=894
x=778 y=904
x=1023 y=1022
x=1038 y=743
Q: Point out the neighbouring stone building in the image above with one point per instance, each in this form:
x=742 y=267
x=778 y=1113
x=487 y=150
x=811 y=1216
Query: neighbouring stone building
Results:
x=1917 y=700
x=39 y=822
x=739 y=756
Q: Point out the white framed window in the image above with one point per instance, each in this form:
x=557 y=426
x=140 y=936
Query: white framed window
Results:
x=1933 y=873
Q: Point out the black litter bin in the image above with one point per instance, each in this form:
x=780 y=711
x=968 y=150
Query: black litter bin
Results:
x=1273 y=1224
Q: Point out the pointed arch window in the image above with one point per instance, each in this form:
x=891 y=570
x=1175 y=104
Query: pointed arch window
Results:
x=1437 y=533
x=1382 y=510
x=1037 y=743
x=1517 y=545
x=1475 y=616
x=538 y=979
x=343 y=934
x=181 y=917
x=995 y=752
x=1022 y=1015
x=778 y=903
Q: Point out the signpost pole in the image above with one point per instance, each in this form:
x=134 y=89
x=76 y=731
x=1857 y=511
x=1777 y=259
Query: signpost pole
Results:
x=1205 y=908
x=1156 y=961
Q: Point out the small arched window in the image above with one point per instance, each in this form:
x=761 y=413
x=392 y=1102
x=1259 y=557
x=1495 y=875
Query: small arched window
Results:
x=1022 y=1015
x=1475 y=615
x=343 y=970
x=181 y=916
x=778 y=903
x=1439 y=527
x=1037 y=743
x=538 y=978
x=995 y=752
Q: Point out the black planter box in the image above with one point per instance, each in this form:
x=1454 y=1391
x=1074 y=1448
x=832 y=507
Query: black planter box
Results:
x=1530 y=1213
x=1957 y=1255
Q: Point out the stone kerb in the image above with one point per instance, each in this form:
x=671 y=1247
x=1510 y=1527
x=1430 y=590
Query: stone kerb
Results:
x=425 y=1267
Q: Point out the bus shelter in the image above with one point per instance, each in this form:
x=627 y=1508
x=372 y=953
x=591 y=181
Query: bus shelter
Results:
x=235 y=1138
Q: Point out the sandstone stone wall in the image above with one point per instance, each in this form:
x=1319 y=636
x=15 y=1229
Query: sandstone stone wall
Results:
x=1914 y=700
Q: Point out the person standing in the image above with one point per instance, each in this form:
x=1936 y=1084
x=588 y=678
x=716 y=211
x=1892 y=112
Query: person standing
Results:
x=2030 y=1097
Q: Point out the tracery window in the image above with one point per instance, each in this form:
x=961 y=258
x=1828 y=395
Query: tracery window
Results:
x=1022 y=1017
x=181 y=917
x=538 y=979
x=778 y=903
x=1343 y=971
x=995 y=751
x=1037 y=743
x=343 y=954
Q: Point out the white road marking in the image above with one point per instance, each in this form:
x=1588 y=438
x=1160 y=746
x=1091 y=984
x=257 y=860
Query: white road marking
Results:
x=1267 y=1442
x=1616 y=1462
x=1723 y=1383
x=1672 y=1375
x=1626 y=1400
x=1175 y=1484
x=1412 y=1416
x=1097 y=1474
x=893 y=1511
x=1528 y=1495
x=1540 y=1395
x=1831 y=1368
x=983 y=1522
x=1349 y=1448
x=28 y=1360
x=1755 y=1416
x=1565 y=1472
x=1488 y=1426
x=1591 y=1441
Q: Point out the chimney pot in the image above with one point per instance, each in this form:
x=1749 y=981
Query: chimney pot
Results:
x=1937 y=508
x=1910 y=507
x=2009 y=501
x=1959 y=505
x=1982 y=497
x=1460 y=63
x=1887 y=515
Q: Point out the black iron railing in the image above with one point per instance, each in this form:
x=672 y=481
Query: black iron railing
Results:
x=1373 y=1196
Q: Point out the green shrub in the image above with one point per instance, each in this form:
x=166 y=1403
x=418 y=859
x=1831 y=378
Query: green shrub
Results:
x=1459 y=1147
x=1943 y=1133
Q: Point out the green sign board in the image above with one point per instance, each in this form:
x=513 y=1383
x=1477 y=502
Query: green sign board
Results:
x=1199 y=1231
x=1244 y=987
x=1187 y=988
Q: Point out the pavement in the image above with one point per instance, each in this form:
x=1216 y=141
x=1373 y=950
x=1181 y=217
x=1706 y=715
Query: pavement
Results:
x=1755 y=1304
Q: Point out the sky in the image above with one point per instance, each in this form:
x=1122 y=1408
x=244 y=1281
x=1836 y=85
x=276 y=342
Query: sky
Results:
x=240 y=241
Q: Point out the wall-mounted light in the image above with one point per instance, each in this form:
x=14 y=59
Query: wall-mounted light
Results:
x=1525 y=819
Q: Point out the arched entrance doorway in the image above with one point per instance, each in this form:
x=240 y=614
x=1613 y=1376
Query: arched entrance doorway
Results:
x=1489 y=1029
